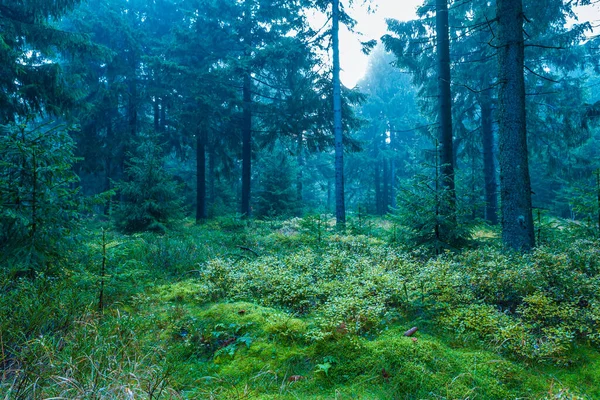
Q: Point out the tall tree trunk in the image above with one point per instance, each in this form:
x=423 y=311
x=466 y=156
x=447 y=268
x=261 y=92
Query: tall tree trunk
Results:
x=385 y=192
x=156 y=107
x=445 y=100
x=329 y=194
x=393 y=168
x=246 y=145
x=515 y=186
x=340 y=206
x=163 y=115
x=211 y=173
x=132 y=112
x=201 y=175
x=489 y=162
x=108 y=165
x=378 y=201
x=300 y=172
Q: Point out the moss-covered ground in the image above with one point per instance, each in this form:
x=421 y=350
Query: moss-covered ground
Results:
x=287 y=310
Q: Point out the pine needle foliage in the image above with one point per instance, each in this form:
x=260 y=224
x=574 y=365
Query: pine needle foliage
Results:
x=150 y=195
x=278 y=196
x=427 y=215
x=39 y=202
x=31 y=80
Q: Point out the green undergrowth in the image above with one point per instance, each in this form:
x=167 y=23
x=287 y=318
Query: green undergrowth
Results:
x=293 y=309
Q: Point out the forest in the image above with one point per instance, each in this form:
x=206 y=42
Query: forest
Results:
x=194 y=206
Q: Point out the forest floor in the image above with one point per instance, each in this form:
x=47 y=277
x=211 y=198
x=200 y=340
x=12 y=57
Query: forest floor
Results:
x=293 y=310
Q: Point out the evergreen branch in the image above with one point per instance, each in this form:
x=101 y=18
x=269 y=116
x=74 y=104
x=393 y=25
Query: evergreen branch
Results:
x=541 y=76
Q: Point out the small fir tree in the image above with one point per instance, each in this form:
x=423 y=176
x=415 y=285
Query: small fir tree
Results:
x=39 y=202
x=278 y=194
x=427 y=215
x=150 y=196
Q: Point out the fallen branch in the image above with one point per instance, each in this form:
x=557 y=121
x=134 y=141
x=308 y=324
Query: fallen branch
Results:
x=250 y=250
x=411 y=331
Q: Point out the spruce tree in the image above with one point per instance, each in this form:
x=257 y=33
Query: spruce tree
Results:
x=39 y=206
x=150 y=195
x=30 y=76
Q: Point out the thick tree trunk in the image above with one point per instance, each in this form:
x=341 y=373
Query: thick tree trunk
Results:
x=246 y=145
x=515 y=187
x=489 y=162
x=201 y=175
x=445 y=99
x=340 y=206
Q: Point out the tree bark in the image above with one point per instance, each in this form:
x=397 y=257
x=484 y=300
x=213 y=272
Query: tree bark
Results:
x=515 y=186
x=378 y=202
x=246 y=145
x=156 y=115
x=300 y=173
x=201 y=175
x=163 y=115
x=489 y=162
x=340 y=206
x=393 y=168
x=211 y=173
x=132 y=112
x=445 y=100
x=385 y=189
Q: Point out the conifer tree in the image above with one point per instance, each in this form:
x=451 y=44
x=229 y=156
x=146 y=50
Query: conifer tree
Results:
x=30 y=77
x=38 y=203
x=151 y=198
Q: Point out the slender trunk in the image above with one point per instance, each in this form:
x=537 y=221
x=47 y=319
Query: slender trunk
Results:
x=385 y=192
x=107 y=184
x=132 y=106
x=132 y=120
x=111 y=144
x=246 y=145
x=598 y=194
x=474 y=193
x=156 y=115
x=102 y=273
x=300 y=173
x=515 y=192
x=328 y=194
x=378 y=201
x=340 y=206
x=163 y=115
x=489 y=162
x=437 y=198
x=34 y=197
x=445 y=100
x=211 y=174
x=393 y=169
x=201 y=175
